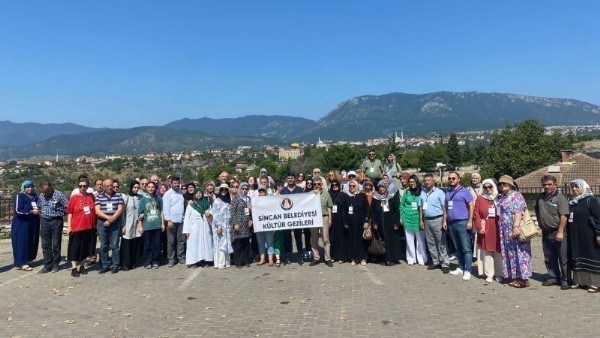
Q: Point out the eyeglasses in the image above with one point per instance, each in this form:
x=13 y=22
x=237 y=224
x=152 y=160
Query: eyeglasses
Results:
x=488 y=187
x=318 y=183
x=371 y=154
x=309 y=183
x=83 y=186
x=316 y=172
x=144 y=183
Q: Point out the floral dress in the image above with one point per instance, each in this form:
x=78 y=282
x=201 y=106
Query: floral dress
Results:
x=516 y=255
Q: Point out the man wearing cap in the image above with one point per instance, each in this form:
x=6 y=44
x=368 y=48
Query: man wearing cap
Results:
x=433 y=220
x=372 y=167
x=173 y=209
x=552 y=210
x=292 y=188
x=459 y=208
x=53 y=204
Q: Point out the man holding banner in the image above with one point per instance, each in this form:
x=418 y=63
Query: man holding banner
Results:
x=323 y=232
x=292 y=188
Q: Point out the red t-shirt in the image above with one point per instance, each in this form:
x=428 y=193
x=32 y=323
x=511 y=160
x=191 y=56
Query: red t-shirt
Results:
x=83 y=215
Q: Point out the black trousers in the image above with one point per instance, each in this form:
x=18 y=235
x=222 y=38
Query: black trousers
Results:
x=555 y=255
x=151 y=246
x=51 y=234
x=131 y=252
x=287 y=242
x=241 y=246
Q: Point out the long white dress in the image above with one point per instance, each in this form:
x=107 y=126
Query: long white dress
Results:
x=199 y=242
x=222 y=243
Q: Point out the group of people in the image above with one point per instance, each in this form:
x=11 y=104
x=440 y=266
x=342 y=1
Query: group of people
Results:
x=193 y=225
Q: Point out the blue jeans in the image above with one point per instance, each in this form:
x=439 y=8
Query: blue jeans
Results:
x=265 y=240
x=151 y=247
x=109 y=238
x=462 y=241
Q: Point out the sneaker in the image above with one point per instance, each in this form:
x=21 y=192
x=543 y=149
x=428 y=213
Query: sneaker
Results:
x=44 y=270
x=550 y=282
x=55 y=269
x=564 y=286
x=489 y=280
x=104 y=270
x=171 y=264
x=363 y=263
x=445 y=270
x=353 y=263
x=148 y=267
x=452 y=258
x=456 y=272
x=467 y=275
x=313 y=263
x=154 y=266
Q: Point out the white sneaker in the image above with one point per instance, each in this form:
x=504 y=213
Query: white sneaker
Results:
x=467 y=275
x=489 y=280
x=456 y=272
x=452 y=258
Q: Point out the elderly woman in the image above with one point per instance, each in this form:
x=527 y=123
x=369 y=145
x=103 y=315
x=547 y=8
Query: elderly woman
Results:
x=240 y=227
x=338 y=233
x=485 y=219
x=410 y=215
x=356 y=221
x=385 y=207
x=584 y=237
x=199 y=244
x=25 y=227
x=516 y=255
x=81 y=228
x=220 y=222
x=131 y=243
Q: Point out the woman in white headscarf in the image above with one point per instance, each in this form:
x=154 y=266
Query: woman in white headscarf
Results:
x=485 y=219
x=584 y=237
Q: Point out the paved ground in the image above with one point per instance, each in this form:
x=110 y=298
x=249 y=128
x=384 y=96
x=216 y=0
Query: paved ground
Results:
x=293 y=300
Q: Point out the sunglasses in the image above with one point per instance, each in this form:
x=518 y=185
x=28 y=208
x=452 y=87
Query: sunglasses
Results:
x=452 y=178
x=488 y=187
x=352 y=185
x=245 y=188
x=318 y=183
x=83 y=186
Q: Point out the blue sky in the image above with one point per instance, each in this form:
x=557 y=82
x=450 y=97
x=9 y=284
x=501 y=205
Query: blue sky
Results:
x=129 y=63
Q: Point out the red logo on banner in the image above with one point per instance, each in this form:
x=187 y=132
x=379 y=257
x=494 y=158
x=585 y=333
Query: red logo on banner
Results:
x=286 y=204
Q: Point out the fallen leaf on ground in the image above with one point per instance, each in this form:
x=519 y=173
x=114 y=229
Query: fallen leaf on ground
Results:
x=70 y=321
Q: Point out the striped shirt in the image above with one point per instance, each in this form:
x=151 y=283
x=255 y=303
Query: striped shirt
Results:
x=109 y=204
x=54 y=205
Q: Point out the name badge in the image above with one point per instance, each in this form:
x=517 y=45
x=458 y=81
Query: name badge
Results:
x=334 y=209
x=109 y=207
x=246 y=211
x=425 y=205
x=492 y=212
x=571 y=217
x=450 y=205
x=351 y=210
x=86 y=209
x=414 y=205
x=386 y=207
x=372 y=170
x=34 y=205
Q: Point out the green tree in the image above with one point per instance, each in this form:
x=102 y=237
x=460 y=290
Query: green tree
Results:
x=453 y=151
x=338 y=157
x=480 y=151
x=410 y=159
x=433 y=155
x=467 y=153
x=523 y=148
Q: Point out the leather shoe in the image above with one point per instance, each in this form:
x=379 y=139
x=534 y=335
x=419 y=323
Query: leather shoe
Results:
x=564 y=286
x=445 y=269
x=433 y=267
x=114 y=270
x=329 y=263
x=313 y=263
x=104 y=270
x=82 y=270
x=74 y=272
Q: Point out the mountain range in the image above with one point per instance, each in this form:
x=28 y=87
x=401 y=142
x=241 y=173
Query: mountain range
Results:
x=363 y=117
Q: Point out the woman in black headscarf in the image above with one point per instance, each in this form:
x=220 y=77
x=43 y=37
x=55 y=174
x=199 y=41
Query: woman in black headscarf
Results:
x=338 y=234
x=131 y=243
x=385 y=207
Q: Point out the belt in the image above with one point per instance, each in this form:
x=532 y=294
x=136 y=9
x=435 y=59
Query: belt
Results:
x=434 y=217
x=50 y=218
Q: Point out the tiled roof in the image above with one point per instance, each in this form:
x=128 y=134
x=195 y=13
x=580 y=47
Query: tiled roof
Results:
x=580 y=166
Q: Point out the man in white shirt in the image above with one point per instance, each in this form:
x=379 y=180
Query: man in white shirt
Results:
x=173 y=206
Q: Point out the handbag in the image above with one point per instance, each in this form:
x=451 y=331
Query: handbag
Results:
x=528 y=227
x=377 y=245
x=367 y=234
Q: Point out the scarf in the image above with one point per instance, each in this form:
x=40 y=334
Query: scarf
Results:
x=134 y=182
x=494 y=193
x=201 y=205
x=584 y=187
x=387 y=195
x=26 y=185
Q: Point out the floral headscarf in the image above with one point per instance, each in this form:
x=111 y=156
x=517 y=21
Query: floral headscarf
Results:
x=383 y=197
x=584 y=187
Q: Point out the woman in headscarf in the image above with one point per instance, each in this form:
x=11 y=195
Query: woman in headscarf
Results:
x=199 y=242
x=209 y=191
x=131 y=243
x=81 y=227
x=386 y=222
x=338 y=234
x=309 y=185
x=584 y=237
x=393 y=169
x=356 y=221
x=485 y=219
x=25 y=227
x=516 y=255
x=188 y=196
x=220 y=224
x=403 y=182
x=240 y=227
x=410 y=216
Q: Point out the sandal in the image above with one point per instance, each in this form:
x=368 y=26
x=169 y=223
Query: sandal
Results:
x=593 y=289
x=26 y=268
x=513 y=283
x=522 y=284
x=278 y=262
x=575 y=286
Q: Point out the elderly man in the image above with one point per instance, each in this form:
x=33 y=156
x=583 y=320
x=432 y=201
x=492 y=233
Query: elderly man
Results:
x=109 y=207
x=433 y=220
x=323 y=232
x=372 y=167
x=223 y=177
x=53 y=204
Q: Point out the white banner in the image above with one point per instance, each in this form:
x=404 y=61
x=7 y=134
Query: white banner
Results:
x=286 y=212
